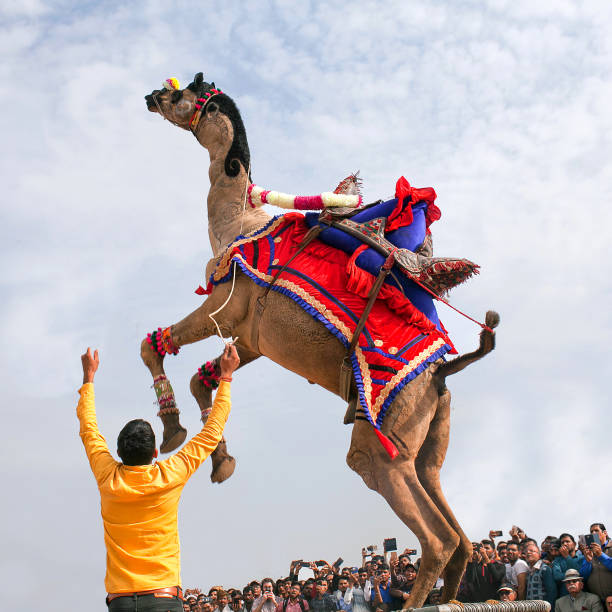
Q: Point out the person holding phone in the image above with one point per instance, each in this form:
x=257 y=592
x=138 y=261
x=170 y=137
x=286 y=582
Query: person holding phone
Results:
x=596 y=567
x=140 y=497
x=267 y=601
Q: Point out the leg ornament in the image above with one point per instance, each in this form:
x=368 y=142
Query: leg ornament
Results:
x=174 y=432
x=160 y=341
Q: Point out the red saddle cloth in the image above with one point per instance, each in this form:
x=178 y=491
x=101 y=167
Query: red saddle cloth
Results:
x=398 y=341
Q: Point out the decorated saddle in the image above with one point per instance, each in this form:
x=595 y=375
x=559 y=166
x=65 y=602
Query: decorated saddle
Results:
x=332 y=276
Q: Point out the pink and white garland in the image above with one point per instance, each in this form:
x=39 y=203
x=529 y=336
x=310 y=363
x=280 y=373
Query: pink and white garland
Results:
x=258 y=197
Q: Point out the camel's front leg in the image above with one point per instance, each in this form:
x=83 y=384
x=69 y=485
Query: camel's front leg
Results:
x=196 y=326
x=202 y=384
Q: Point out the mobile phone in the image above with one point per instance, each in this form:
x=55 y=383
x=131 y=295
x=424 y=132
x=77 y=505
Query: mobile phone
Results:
x=390 y=544
x=582 y=540
x=410 y=551
x=497 y=533
x=372 y=548
x=304 y=564
x=338 y=562
x=320 y=563
x=589 y=538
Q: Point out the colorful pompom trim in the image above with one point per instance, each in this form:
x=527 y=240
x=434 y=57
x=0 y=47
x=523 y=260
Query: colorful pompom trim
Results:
x=161 y=342
x=208 y=376
x=171 y=83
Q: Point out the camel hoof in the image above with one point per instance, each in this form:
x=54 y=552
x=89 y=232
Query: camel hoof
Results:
x=491 y=319
x=174 y=433
x=223 y=463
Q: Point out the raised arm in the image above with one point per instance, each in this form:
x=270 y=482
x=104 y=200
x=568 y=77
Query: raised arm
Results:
x=190 y=457
x=100 y=459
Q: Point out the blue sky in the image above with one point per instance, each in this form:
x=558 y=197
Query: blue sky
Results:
x=501 y=106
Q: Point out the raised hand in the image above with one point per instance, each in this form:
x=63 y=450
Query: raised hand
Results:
x=90 y=364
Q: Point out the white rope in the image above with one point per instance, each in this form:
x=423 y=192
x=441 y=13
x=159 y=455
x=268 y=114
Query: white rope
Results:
x=229 y=297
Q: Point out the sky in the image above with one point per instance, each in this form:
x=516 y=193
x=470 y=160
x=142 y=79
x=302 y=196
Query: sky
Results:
x=502 y=107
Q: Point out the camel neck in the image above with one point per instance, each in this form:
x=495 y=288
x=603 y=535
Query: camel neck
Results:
x=227 y=214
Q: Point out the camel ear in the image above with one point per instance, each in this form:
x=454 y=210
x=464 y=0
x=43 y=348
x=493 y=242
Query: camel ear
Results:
x=198 y=79
x=212 y=85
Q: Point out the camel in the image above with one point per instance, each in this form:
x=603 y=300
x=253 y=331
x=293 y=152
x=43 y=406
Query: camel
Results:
x=418 y=420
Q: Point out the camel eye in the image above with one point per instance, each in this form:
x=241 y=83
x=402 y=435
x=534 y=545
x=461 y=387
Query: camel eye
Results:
x=176 y=96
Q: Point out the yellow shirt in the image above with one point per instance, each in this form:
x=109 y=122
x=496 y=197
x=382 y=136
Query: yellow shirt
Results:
x=140 y=503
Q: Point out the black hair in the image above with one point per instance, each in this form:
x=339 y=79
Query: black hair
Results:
x=600 y=525
x=489 y=542
x=567 y=535
x=239 y=152
x=136 y=443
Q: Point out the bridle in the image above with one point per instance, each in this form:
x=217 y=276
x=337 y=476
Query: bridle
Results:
x=200 y=105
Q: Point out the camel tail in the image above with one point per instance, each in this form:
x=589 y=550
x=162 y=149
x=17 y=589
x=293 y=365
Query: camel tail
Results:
x=487 y=344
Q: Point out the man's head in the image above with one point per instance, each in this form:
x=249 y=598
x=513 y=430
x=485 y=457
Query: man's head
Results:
x=247 y=593
x=507 y=592
x=363 y=576
x=512 y=550
x=608 y=603
x=532 y=553
x=411 y=573
x=383 y=574
x=256 y=589
x=206 y=606
x=321 y=586
x=267 y=587
x=222 y=599
x=136 y=443
x=237 y=603
x=599 y=531
x=489 y=548
x=295 y=590
x=567 y=540
x=573 y=582
x=343 y=584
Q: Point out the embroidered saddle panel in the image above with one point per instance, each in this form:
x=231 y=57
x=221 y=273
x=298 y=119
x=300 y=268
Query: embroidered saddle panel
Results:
x=400 y=338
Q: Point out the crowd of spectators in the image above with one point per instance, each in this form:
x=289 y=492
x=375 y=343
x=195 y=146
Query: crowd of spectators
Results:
x=572 y=576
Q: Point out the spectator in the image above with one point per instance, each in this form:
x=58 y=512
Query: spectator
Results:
x=247 y=595
x=402 y=584
x=222 y=602
x=322 y=600
x=576 y=600
x=608 y=602
x=206 y=606
x=359 y=579
x=434 y=598
x=516 y=569
x=482 y=576
x=507 y=592
x=540 y=581
x=267 y=601
x=294 y=602
x=381 y=590
x=596 y=567
x=344 y=595
x=256 y=588
x=567 y=559
x=237 y=604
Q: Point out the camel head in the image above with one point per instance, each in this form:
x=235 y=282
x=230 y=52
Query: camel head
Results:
x=178 y=105
x=211 y=115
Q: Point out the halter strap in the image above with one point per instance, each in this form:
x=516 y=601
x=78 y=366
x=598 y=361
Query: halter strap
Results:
x=200 y=105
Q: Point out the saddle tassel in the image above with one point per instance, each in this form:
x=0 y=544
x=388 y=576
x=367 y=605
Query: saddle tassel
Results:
x=387 y=444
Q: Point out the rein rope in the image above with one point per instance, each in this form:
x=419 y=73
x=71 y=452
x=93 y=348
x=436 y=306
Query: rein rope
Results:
x=229 y=297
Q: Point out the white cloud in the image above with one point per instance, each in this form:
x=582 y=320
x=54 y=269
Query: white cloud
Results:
x=503 y=109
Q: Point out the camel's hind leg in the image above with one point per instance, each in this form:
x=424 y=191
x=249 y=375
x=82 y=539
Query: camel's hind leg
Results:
x=398 y=483
x=223 y=464
x=196 y=326
x=428 y=464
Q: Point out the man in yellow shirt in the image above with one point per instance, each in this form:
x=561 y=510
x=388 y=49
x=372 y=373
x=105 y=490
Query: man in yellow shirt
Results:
x=139 y=499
